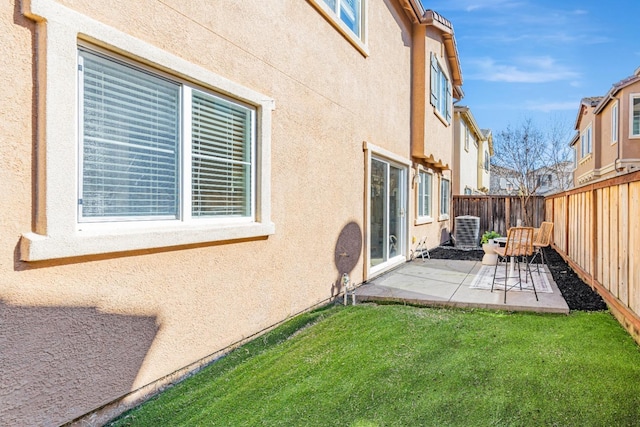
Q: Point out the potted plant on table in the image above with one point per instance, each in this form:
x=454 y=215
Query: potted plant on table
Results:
x=488 y=237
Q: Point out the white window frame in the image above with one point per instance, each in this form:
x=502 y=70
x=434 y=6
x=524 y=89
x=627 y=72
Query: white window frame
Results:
x=375 y=152
x=441 y=90
x=615 y=120
x=184 y=154
x=359 y=41
x=424 y=216
x=445 y=199
x=466 y=136
x=56 y=232
x=633 y=97
x=586 y=142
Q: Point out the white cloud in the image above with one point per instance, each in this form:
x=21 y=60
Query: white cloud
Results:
x=547 y=107
x=532 y=69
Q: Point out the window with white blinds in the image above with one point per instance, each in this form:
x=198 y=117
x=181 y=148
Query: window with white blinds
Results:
x=130 y=134
x=444 y=196
x=133 y=132
x=424 y=194
x=221 y=157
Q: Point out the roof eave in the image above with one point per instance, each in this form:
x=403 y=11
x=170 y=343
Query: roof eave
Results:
x=574 y=139
x=413 y=9
x=614 y=90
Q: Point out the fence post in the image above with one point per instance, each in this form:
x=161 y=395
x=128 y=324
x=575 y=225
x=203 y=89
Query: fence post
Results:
x=566 y=224
x=594 y=237
x=507 y=213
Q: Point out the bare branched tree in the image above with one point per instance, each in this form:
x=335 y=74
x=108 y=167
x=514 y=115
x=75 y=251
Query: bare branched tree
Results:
x=561 y=153
x=524 y=153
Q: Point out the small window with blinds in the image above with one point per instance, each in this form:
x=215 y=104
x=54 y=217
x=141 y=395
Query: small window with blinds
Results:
x=157 y=149
x=424 y=194
x=221 y=157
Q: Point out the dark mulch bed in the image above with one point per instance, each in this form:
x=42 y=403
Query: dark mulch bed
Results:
x=579 y=295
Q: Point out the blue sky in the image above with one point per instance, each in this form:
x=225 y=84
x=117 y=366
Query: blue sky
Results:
x=537 y=59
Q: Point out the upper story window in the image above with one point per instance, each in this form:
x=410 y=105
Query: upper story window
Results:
x=441 y=97
x=465 y=131
x=486 y=160
x=635 y=115
x=143 y=135
x=614 y=123
x=424 y=194
x=349 y=12
x=349 y=17
x=585 y=142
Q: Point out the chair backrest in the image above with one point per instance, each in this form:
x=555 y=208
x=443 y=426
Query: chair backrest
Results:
x=519 y=241
x=543 y=237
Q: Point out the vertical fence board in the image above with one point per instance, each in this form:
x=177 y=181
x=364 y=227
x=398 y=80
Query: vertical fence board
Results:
x=589 y=234
x=597 y=228
x=613 y=241
x=634 y=248
x=599 y=213
x=575 y=222
x=623 y=244
x=603 y=240
x=499 y=213
x=560 y=222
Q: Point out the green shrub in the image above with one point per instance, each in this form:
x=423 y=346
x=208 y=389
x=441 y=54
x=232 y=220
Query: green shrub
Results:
x=489 y=235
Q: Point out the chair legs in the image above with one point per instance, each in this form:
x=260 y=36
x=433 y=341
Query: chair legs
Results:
x=539 y=251
x=532 y=283
x=527 y=264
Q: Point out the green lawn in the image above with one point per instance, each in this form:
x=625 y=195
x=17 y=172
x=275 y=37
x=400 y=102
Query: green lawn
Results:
x=393 y=365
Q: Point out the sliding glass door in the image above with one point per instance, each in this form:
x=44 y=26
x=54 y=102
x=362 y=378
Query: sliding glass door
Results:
x=387 y=207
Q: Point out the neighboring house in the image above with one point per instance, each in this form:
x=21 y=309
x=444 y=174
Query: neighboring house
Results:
x=554 y=178
x=608 y=132
x=472 y=151
x=504 y=181
x=484 y=161
x=182 y=176
x=544 y=181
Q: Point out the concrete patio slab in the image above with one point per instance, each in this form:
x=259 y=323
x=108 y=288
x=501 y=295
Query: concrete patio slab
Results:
x=440 y=282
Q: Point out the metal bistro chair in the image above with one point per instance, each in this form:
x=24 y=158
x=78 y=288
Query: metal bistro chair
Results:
x=542 y=240
x=519 y=246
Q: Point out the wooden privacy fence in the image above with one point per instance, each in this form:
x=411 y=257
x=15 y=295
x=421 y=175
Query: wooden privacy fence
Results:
x=499 y=213
x=597 y=230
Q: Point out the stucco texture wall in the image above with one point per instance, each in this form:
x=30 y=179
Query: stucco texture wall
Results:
x=585 y=163
x=79 y=332
x=630 y=148
x=468 y=167
x=438 y=134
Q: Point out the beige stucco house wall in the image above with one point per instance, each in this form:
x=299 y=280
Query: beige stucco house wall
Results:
x=585 y=146
x=100 y=313
x=620 y=150
x=484 y=160
x=615 y=147
x=436 y=74
x=471 y=146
